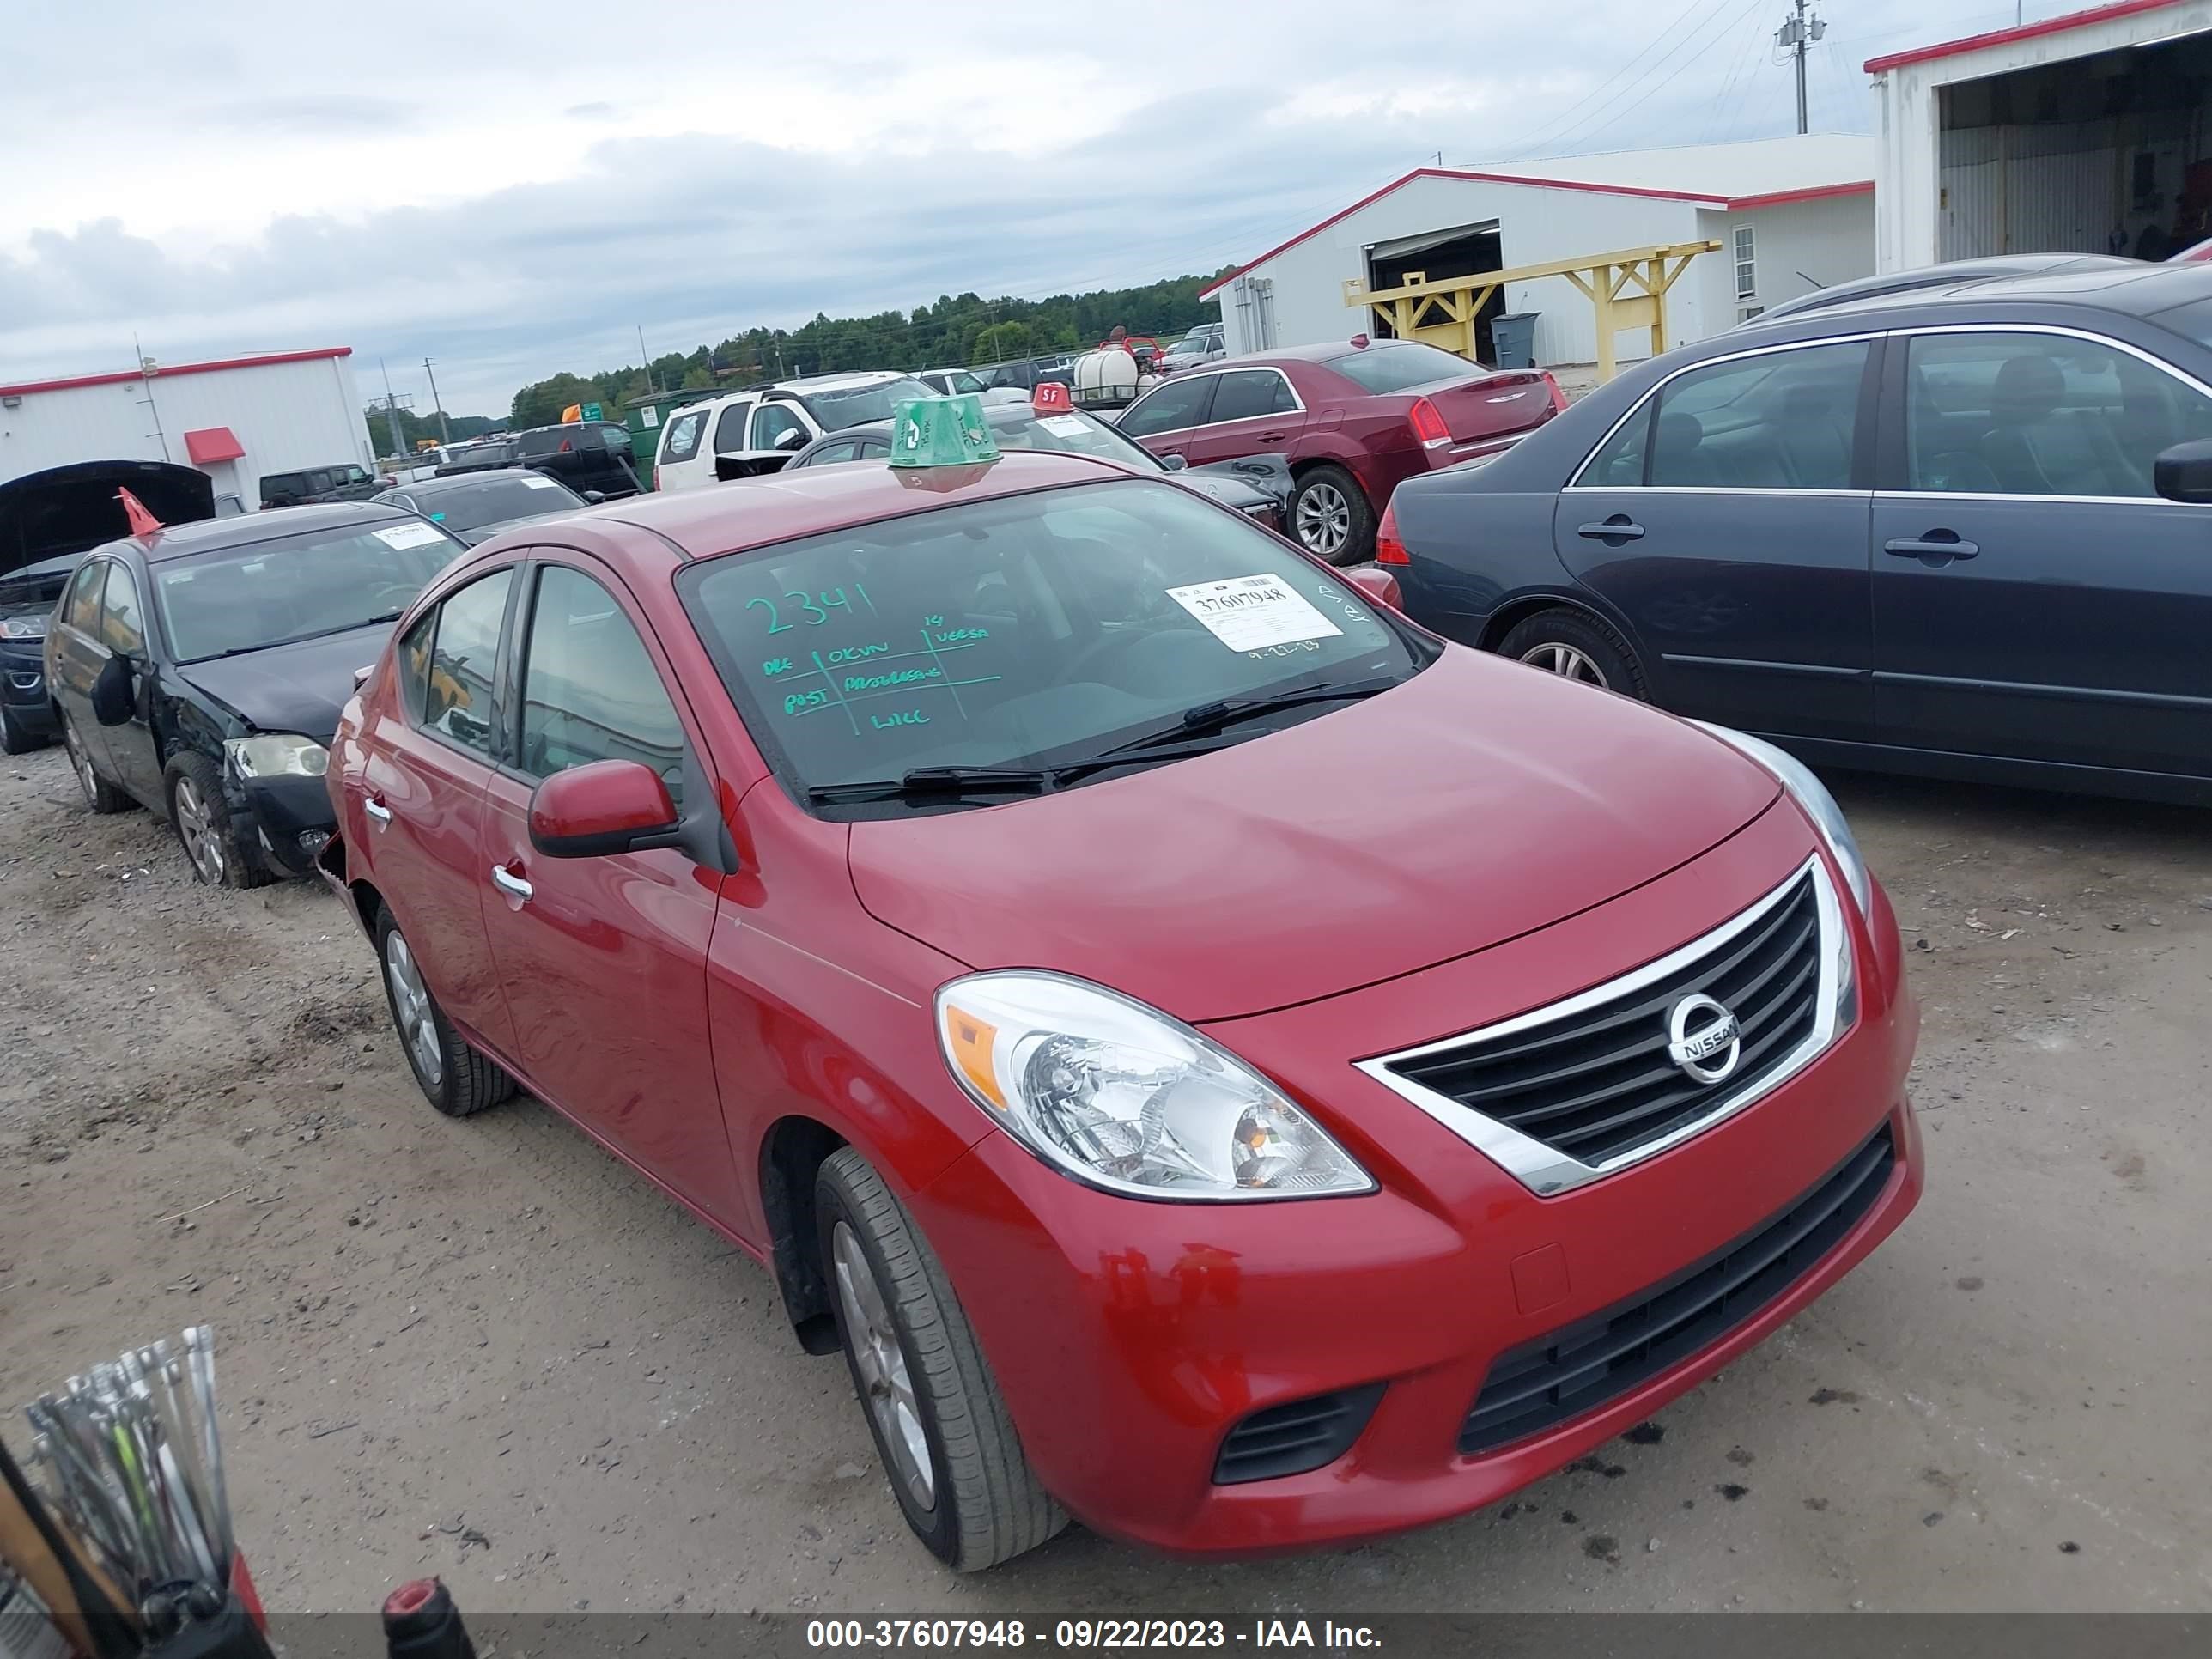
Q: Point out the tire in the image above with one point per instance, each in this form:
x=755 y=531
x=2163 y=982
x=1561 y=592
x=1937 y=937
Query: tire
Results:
x=1576 y=646
x=1329 y=516
x=454 y=1077
x=219 y=855
x=984 y=1504
x=15 y=738
x=100 y=795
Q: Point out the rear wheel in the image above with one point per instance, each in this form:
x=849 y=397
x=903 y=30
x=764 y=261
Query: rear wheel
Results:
x=99 y=794
x=219 y=855
x=1576 y=646
x=453 y=1076
x=1330 y=516
x=941 y=1428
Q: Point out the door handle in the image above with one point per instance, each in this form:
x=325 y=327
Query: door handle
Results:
x=377 y=810
x=510 y=883
x=1935 y=550
x=1273 y=437
x=1618 y=527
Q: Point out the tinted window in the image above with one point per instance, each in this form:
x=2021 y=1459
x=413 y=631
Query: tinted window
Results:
x=326 y=581
x=1398 y=365
x=729 y=428
x=1783 y=420
x=458 y=701
x=122 y=624
x=772 y=421
x=496 y=500
x=412 y=664
x=1028 y=628
x=855 y=405
x=81 y=609
x=1619 y=463
x=2040 y=414
x=318 y=482
x=1243 y=393
x=589 y=690
x=278 y=485
x=828 y=452
x=681 y=441
x=1168 y=408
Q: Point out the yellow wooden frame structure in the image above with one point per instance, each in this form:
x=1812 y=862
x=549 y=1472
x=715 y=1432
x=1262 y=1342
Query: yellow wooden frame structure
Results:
x=1628 y=289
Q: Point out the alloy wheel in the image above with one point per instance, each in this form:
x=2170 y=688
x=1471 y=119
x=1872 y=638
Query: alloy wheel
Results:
x=1556 y=657
x=81 y=764
x=202 y=839
x=1324 y=519
x=885 y=1380
x=410 y=1003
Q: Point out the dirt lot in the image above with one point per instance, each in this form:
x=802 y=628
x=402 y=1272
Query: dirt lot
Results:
x=483 y=1348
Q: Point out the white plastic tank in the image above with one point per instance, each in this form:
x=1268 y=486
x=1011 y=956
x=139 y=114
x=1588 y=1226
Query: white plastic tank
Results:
x=1106 y=378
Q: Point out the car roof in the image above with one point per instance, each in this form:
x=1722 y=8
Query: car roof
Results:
x=210 y=535
x=2135 y=288
x=751 y=513
x=1005 y=414
x=467 y=480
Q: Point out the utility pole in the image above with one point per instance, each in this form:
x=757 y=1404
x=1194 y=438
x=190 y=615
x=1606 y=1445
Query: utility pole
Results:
x=444 y=433
x=1796 y=33
x=393 y=404
x=644 y=360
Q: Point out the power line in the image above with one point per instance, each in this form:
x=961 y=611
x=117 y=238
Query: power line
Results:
x=1743 y=60
x=1565 y=119
x=1625 y=111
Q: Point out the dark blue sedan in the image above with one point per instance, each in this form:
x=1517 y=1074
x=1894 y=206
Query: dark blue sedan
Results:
x=1961 y=533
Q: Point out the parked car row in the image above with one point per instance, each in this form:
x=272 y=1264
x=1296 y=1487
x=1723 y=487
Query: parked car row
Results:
x=1957 y=529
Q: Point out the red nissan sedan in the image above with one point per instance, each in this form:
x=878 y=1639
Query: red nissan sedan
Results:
x=1223 y=1064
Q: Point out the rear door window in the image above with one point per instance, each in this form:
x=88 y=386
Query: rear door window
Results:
x=122 y=622
x=843 y=451
x=81 y=609
x=729 y=428
x=1781 y=420
x=680 y=439
x=1245 y=394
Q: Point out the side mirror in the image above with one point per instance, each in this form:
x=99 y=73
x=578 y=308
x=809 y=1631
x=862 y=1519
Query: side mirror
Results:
x=606 y=807
x=1377 y=585
x=111 y=692
x=1175 y=463
x=360 y=675
x=790 y=438
x=2183 y=473
x=595 y=496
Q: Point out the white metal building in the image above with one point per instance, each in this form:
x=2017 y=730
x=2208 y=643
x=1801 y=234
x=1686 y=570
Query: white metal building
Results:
x=2084 y=133
x=234 y=420
x=1793 y=214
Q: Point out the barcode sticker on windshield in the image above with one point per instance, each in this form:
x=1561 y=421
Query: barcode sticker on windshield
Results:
x=1249 y=613
x=540 y=484
x=1067 y=426
x=408 y=535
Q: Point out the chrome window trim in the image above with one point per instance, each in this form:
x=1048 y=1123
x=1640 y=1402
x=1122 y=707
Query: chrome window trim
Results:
x=1547 y=1172
x=1654 y=389
x=1188 y=376
x=1740 y=490
x=1998 y=495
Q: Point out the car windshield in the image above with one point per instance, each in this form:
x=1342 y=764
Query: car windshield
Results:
x=851 y=405
x=495 y=500
x=1076 y=432
x=1395 y=367
x=247 y=598
x=1033 y=630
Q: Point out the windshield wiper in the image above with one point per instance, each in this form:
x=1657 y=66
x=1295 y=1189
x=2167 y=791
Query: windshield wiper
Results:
x=939 y=780
x=1228 y=711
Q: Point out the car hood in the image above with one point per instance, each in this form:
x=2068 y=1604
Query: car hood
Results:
x=1268 y=476
x=298 y=687
x=1477 y=802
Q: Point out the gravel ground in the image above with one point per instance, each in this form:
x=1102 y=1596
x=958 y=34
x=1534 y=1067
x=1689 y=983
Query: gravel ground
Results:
x=484 y=1349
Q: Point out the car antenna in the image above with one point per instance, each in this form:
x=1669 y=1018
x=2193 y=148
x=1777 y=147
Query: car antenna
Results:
x=143 y=524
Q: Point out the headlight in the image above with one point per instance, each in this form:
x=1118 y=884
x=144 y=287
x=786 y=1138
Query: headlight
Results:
x=1121 y=1096
x=23 y=628
x=277 y=755
x=1811 y=794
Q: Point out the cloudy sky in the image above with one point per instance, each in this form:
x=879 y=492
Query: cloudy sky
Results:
x=514 y=189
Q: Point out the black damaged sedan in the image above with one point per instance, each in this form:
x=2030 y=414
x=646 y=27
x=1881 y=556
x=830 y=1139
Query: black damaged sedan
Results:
x=199 y=670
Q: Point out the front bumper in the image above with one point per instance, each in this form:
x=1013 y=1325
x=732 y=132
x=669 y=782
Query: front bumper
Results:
x=289 y=818
x=24 y=689
x=1130 y=1338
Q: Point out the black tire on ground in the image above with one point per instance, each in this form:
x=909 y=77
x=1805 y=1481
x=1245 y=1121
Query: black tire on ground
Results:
x=985 y=1504
x=1578 y=646
x=100 y=795
x=15 y=738
x=454 y=1077
x=219 y=854
x=1330 y=517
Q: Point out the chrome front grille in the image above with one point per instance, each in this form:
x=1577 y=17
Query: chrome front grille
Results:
x=1565 y=1094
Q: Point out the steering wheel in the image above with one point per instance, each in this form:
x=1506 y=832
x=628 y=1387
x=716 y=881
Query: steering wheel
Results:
x=395 y=596
x=1097 y=652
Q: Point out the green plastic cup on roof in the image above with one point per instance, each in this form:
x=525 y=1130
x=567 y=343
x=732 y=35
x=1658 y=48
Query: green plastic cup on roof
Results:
x=942 y=432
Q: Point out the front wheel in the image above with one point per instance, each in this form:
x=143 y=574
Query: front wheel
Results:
x=1330 y=516
x=941 y=1428
x=1576 y=646
x=218 y=852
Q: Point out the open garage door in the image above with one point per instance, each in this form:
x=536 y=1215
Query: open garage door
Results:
x=2108 y=154
x=1457 y=250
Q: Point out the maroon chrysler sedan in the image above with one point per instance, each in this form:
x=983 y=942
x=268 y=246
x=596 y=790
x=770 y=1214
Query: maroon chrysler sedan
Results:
x=1353 y=417
x=1220 y=1062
